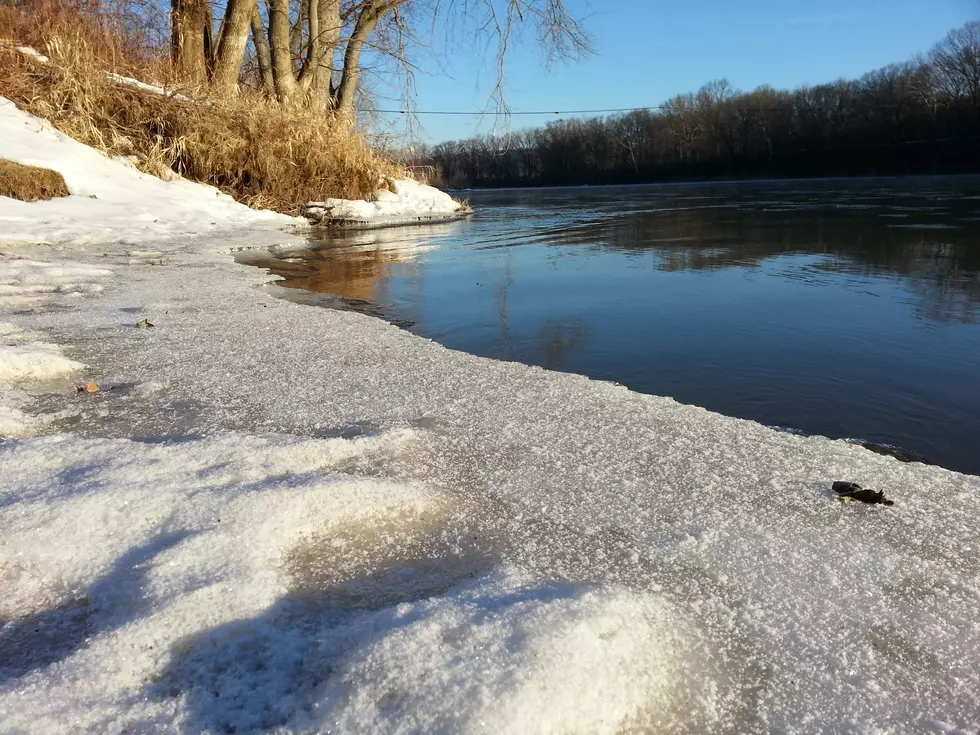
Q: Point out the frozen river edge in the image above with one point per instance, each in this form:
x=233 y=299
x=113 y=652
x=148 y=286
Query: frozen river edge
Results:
x=278 y=518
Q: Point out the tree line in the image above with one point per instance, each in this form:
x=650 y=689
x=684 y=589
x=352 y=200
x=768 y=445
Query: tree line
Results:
x=922 y=116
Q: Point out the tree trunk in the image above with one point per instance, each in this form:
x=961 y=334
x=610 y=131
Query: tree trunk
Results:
x=308 y=69
x=330 y=26
x=262 y=53
x=208 y=40
x=190 y=23
x=231 y=48
x=283 y=76
x=367 y=21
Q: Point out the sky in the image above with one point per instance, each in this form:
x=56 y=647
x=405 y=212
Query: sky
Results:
x=649 y=50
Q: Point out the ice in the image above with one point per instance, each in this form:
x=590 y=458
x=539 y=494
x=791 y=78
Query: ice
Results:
x=278 y=518
x=14 y=421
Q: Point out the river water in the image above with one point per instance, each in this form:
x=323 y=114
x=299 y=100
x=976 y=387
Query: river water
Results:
x=847 y=308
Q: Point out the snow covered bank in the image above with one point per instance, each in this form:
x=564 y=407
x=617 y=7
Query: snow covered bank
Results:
x=409 y=202
x=111 y=201
x=275 y=518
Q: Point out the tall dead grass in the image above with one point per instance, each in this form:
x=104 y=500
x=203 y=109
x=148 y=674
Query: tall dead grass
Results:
x=256 y=149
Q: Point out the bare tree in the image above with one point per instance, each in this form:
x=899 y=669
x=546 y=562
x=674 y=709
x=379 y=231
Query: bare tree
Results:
x=956 y=61
x=311 y=51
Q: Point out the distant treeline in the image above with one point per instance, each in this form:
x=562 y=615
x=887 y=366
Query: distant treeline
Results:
x=922 y=116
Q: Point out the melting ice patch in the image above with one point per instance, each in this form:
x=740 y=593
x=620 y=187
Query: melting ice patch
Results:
x=28 y=283
x=24 y=356
x=26 y=359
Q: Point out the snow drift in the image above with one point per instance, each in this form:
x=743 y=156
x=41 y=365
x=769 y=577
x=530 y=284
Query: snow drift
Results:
x=410 y=202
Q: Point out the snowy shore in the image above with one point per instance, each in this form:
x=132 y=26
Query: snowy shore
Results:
x=278 y=518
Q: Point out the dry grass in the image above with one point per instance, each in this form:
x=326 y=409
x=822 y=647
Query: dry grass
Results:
x=259 y=151
x=30 y=183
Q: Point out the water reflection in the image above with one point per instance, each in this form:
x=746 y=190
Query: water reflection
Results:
x=942 y=264
x=797 y=304
x=355 y=266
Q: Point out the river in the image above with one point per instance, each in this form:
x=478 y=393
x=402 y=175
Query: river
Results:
x=846 y=308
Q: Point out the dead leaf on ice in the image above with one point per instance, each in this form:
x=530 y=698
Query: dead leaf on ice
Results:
x=90 y=387
x=144 y=324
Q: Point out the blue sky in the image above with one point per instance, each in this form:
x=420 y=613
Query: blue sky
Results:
x=649 y=50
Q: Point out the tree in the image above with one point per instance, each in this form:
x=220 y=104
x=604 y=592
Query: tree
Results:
x=956 y=61
x=310 y=50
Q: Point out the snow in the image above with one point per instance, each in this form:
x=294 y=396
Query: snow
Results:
x=32 y=54
x=111 y=201
x=411 y=201
x=152 y=88
x=600 y=657
x=26 y=360
x=23 y=356
x=279 y=518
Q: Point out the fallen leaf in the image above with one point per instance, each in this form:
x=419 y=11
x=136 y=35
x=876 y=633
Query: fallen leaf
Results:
x=144 y=324
x=91 y=387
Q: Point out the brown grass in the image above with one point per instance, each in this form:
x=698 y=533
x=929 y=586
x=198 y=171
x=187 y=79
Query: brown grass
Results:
x=30 y=183
x=261 y=152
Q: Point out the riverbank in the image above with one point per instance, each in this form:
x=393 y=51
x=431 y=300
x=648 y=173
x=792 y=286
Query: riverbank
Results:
x=271 y=516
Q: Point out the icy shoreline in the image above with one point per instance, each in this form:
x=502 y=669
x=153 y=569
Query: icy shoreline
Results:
x=278 y=518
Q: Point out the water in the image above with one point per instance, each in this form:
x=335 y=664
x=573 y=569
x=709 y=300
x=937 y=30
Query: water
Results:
x=849 y=309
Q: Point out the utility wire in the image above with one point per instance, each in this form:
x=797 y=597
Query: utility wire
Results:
x=520 y=112
x=835 y=108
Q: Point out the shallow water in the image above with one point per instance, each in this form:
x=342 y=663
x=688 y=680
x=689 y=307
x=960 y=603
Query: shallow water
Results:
x=844 y=308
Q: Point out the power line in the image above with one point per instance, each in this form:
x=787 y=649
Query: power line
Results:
x=785 y=108
x=521 y=112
